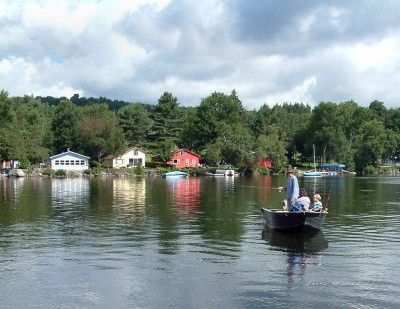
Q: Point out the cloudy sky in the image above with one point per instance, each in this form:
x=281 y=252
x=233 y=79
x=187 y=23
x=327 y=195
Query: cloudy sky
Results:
x=269 y=51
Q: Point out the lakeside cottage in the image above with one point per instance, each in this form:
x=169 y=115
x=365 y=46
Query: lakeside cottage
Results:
x=184 y=158
x=131 y=157
x=69 y=161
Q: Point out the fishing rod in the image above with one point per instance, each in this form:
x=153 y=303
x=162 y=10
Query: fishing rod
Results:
x=327 y=201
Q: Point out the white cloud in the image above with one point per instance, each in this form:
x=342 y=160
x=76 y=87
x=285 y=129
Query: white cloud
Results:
x=271 y=52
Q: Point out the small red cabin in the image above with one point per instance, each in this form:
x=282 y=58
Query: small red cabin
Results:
x=184 y=158
x=265 y=163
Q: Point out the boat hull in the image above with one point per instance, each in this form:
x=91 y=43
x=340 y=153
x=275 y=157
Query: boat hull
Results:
x=176 y=174
x=313 y=174
x=293 y=221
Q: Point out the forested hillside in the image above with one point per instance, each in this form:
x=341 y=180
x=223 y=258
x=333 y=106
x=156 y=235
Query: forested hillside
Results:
x=219 y=129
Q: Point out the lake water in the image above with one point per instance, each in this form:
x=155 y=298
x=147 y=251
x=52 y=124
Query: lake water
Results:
x=195 y=243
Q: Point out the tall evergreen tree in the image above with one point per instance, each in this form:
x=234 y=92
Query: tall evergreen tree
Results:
x=136 y=123
x=167 y=120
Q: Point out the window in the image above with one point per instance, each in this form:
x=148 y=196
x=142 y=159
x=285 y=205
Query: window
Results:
x=57 y=162
x=175 y=161
x=61 y=162
x=76 y=162
x=66 y=162
x=193 y=162
x=135 y=152
x=82 y=162
x=183 y=152
x=187 y=162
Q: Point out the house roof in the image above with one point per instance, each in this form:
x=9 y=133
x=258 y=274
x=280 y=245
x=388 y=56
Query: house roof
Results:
x=69 y=152
x=113 y=156
x=195 y=154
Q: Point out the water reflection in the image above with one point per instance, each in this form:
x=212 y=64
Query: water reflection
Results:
x=185 y=194
x=70 y=191
x=303 y=250
x=129 y=196
x=307 y=242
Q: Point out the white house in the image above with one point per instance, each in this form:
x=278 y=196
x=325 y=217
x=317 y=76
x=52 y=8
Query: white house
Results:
x=131 y=157
x=70 y=161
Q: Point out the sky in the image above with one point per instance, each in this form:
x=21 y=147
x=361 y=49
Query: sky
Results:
x=270 y=51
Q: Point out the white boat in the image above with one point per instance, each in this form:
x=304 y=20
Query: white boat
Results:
x=224 y=173
x=16 y=172
x=175 y=174
x=314 y=173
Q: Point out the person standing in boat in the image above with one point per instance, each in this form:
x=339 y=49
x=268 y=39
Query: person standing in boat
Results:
x=292 y=189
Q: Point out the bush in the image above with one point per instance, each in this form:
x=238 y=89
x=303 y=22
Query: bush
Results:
x=60 y=173
x=263 y=170
x=48 y=172
x=138 y=170
x=87 y=172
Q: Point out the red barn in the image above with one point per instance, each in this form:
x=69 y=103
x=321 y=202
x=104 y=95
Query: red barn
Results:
x=184 y=158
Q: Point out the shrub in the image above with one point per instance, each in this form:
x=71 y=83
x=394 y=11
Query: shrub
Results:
x=138 y=170
x=48 y=172
x=60 y=173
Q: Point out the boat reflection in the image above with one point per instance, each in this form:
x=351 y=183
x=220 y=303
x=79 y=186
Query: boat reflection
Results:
x=303 y=250
x=307 y=242
x=185 y=193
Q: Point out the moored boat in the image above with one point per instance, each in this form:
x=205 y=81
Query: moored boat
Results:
x=289 y=221
x=17 y=172
x=175 y=174
x=313 y=174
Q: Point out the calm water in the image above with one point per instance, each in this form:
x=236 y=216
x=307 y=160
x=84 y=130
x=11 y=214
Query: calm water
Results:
x=195 y=243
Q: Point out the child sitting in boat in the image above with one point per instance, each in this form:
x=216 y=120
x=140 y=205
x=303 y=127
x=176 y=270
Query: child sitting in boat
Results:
x=317 y=204
x=303 y=202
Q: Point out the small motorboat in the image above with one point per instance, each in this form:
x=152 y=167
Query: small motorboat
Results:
x=175 y=174
x=290 y=221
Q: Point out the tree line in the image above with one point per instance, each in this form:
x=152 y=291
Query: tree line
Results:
x=219 y=129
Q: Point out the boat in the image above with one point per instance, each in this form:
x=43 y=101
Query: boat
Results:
x=335 y=169
x=223 y=170
x=288 y=221
x=314 y=173
x=16 y=172
x=224 y=173
x=175 y=174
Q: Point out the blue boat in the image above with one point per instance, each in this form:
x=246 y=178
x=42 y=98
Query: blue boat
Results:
x=175 y=174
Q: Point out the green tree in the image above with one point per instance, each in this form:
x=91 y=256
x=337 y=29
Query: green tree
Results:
x=135 y=122
x=370 y=144
x=214 y=111
x=65 y=126
x=187 y=139
x=270 y=146
x=11 y=136
x=99 y=133
x=34 y=119
x=167 y=120
x=237 y=143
